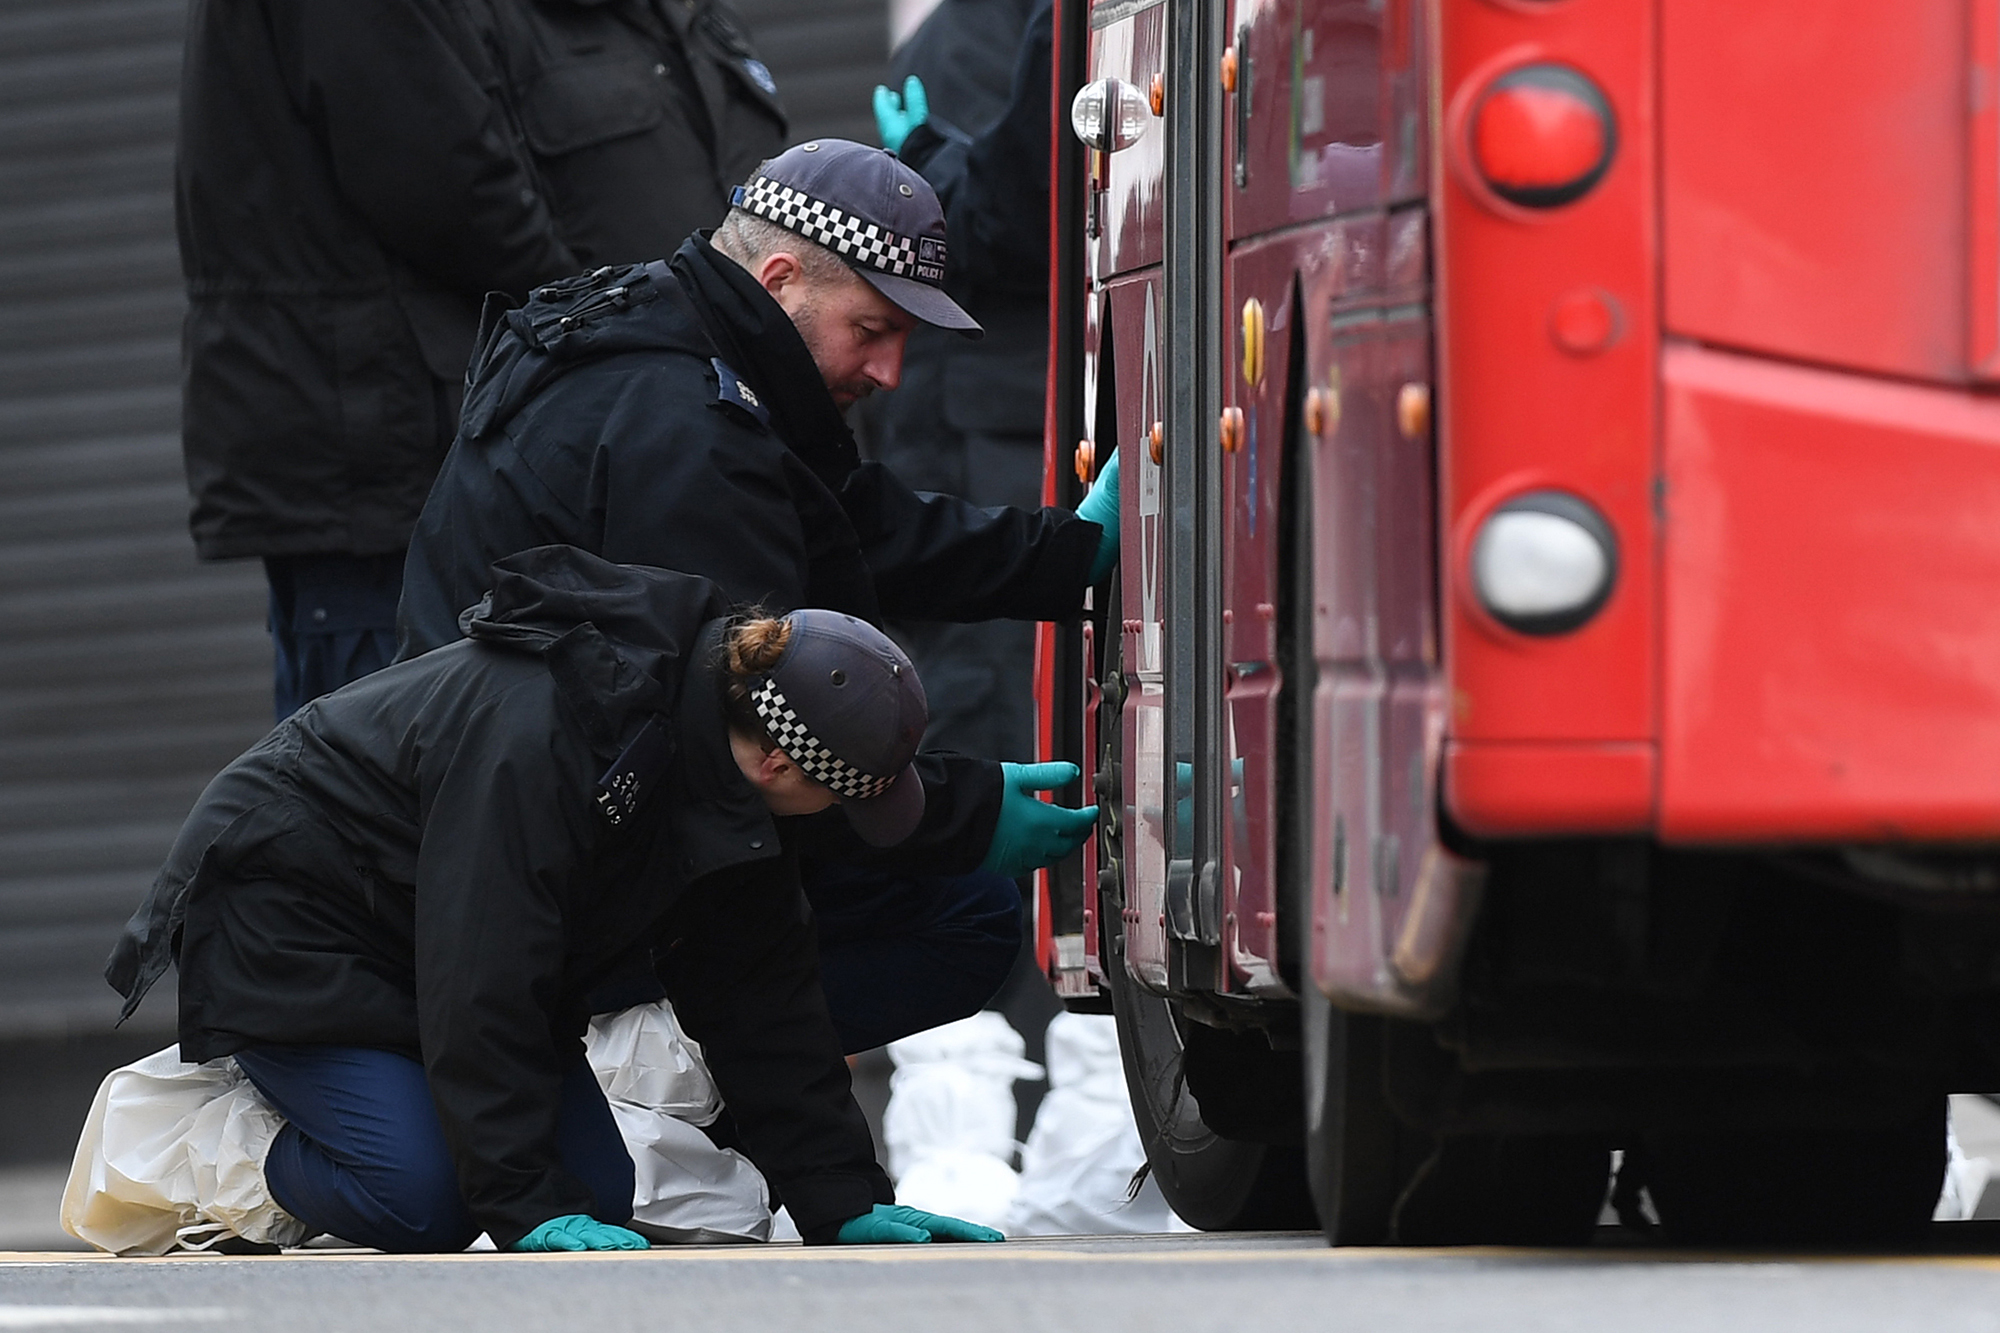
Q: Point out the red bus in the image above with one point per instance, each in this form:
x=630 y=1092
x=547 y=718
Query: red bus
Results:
x=1550 y=702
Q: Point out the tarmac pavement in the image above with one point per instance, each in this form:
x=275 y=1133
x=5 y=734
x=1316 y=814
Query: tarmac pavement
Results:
x=1268 y=1283
x=1224 y=1284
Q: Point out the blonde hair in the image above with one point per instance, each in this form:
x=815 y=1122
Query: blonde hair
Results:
x=752 y=644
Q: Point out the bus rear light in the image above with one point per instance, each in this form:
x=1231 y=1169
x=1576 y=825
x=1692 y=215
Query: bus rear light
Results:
x=1542 y=136
x=1544 y=563
x=1110 y=114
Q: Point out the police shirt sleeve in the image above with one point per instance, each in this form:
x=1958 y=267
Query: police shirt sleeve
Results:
x=419 y=144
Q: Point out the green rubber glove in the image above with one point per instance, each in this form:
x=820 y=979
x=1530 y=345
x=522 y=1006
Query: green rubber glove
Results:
x=574 y=1233
x=1101 y=507
x=893 y=1224
x=1031 y=832
x=896 y=116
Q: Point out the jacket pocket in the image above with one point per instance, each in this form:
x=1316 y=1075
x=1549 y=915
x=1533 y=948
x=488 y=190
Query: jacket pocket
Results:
x=579 y=103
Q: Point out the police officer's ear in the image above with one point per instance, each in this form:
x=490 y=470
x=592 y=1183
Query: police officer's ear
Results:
x=775 y=766
x=783 y=275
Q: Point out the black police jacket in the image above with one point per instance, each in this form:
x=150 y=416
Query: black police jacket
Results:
x=354 y=177
x=669 y=414
x=443 y=858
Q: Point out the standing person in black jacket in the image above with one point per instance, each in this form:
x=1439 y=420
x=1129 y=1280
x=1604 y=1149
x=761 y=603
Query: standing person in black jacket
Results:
x=967 y=418
x=352 y=179
x=392 y=912
x=687 y=414
x=640 y=115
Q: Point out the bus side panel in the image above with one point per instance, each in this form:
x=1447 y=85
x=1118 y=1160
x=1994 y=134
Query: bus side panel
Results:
x=1267 y=273
x=1388 y=905
x=1130 y=203
x=1133 y=306
x=1304 y=134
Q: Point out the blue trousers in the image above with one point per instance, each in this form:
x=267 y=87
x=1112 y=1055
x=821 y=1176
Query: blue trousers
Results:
x=363 y=1156
x=903 y=953
x=332 y=621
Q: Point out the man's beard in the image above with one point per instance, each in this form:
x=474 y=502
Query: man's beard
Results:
x=807 y=319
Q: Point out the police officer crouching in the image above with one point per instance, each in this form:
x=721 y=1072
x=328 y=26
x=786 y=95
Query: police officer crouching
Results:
x=687 y=414
x=392 y=911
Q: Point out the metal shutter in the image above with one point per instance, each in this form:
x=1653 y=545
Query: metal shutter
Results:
x=129 y=673
x=827 y=58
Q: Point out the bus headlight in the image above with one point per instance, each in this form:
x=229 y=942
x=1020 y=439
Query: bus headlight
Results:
x=1544 y=563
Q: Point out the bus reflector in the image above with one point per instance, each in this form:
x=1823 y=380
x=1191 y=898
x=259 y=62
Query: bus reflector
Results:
x=1109 y=114
x=1544 y=563
x=1542 y=136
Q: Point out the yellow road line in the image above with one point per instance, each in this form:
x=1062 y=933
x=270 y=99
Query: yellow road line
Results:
x=1018 y=1252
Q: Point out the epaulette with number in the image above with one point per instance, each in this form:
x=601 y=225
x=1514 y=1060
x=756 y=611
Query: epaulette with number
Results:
x=735 y=391
x=632 y=777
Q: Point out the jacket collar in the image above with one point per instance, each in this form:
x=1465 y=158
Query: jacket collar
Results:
x=759 y=341
x=615 y=637
x=717 y=819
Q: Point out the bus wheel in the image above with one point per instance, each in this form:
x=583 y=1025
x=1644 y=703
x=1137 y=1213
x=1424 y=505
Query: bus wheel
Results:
x=1213 y=1183
x=1358 y=1155
x=1798 y=1187
x=1254 y=1178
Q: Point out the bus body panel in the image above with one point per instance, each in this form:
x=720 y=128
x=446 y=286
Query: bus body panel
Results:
x=1833 y=645
x=1526 y=404
x=1814 y=159
x=1128 y=187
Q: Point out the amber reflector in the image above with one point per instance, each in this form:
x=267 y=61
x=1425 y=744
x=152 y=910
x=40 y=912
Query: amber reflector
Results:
x=1542 y=136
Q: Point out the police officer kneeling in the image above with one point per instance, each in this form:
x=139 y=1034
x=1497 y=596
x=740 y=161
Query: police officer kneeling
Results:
x=393 y=910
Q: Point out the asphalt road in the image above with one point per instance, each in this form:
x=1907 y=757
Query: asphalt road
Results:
x=1259 y=1283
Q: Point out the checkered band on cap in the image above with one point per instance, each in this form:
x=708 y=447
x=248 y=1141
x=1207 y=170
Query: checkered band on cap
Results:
x=818 y=763
x=853 y=238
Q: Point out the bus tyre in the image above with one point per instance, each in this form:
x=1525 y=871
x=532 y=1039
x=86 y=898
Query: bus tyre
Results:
x=1357 y=1152
x=1798 y=1187
x=1213 y=1183
x=1377 y=1180
x=1255 y=1178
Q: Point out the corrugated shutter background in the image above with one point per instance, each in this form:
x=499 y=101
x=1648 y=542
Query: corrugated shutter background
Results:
x=128 y=672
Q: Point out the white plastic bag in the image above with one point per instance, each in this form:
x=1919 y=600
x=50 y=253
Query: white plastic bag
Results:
x=1077 y=1169
x=1965 y=1180
x=949 y=1126
x=686 y=1190
x=172 y=1157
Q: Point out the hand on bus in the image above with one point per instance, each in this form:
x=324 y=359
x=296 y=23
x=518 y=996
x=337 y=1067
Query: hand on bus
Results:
x=1032 y=833
x=575 y=1232
x=896 y=116
x=893 y=1224
x=1101 y=507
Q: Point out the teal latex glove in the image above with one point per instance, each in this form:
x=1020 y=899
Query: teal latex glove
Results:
x=893 y=1224
x=1101 y=507
x=1184 y=803
x=1031 y=832
x=896 y=116
x=574 y=1233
